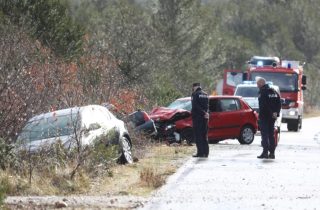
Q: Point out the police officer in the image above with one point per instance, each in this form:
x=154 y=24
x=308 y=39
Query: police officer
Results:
x=200 y=116
x=269 y=109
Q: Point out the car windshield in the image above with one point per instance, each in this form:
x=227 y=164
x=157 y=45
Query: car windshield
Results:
x=247 y=91
x=181 y=104
x=286 y=82
x=49 y=127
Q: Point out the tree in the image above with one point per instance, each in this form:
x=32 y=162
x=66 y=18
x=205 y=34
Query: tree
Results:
x=181 y=37
x=48 y=22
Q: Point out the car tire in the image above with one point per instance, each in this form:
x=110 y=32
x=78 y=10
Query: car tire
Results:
x=126 y=152
x=246 y=135
x=187 y=134
x=300 y=124
x=294 y=126
x=277 y=135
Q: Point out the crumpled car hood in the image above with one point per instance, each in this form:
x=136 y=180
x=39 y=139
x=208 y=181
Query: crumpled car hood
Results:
x=163 y=113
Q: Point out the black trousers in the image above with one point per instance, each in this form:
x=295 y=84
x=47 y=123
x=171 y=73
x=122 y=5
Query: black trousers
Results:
x=200 y=131
x=267 y=134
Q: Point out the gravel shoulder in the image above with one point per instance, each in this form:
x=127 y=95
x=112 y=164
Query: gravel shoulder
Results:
x=75 y=202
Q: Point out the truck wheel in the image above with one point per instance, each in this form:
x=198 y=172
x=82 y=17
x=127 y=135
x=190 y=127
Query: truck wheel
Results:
x=246 y=135
x=187 y=134
x=294 y=126
x=300 y=123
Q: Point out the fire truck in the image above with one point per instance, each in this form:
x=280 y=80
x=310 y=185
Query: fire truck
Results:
x=287 y=74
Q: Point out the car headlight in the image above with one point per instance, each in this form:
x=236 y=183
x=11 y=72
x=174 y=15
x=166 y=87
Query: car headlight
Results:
x=293 y=113
x=169 y=127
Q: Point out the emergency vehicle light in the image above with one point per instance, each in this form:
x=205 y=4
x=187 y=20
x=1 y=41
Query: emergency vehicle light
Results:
x=290 y=64
x=248 y=82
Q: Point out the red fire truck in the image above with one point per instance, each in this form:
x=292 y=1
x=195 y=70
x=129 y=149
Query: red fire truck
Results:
x=286 y=74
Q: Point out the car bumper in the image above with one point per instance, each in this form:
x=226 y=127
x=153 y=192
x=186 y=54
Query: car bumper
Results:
x=292 y=113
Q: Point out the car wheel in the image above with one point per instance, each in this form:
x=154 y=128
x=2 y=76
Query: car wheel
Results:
x=293 y=126
x=276 y=135
x=187 y=134
x=246 y=135
x=300 y=123
x=126 y=154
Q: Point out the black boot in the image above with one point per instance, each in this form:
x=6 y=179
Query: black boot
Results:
x=196 y=155
x=271 y=155
x=264 y=155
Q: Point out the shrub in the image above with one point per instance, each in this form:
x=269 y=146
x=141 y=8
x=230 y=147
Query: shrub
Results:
x=2 y=194
x=103 y=153
x=150 y=178
x=3 y=189
x=7 y=155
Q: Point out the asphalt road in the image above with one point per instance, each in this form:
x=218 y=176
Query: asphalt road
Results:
x=233 y=178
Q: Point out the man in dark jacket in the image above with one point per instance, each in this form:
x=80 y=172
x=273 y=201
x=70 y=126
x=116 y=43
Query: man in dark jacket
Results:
x=200 y=116
x=269 y=109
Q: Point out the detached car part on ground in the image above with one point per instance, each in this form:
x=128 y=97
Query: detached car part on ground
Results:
x=230 y=118
x=74 y=127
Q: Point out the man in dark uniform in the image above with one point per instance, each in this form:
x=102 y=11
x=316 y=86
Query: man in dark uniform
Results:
x=200 y=116
x=269 y=109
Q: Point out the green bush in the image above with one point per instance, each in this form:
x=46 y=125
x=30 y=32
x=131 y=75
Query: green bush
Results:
x=104 y=152
x=3 y=190
x=7 y=155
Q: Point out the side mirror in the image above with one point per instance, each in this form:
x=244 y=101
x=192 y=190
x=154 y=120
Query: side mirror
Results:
x=94 y=126
x=304 y=79
x=303 y=87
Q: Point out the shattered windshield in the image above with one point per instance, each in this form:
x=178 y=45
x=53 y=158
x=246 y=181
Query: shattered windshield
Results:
x=181 y=104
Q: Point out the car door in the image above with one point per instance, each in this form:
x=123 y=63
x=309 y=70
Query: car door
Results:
x=111 y=124
x=92 y=126
x=224 y=119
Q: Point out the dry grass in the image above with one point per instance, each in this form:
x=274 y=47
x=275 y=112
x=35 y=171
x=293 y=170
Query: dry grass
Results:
x=151 y=178
x=56 y=183
x=157 y=161
x=142 y=177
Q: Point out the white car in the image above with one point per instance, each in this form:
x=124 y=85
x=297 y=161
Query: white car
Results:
x=77 y=126
x=249 y=92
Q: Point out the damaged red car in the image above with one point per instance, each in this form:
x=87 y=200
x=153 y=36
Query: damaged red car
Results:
x=230 y=118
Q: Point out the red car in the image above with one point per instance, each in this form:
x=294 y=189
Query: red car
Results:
x=230 y=118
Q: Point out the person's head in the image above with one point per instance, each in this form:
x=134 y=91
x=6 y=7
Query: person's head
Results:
x=195 y=86
x=260 y=81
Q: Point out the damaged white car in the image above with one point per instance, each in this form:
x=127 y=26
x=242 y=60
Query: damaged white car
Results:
x=77 y=127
